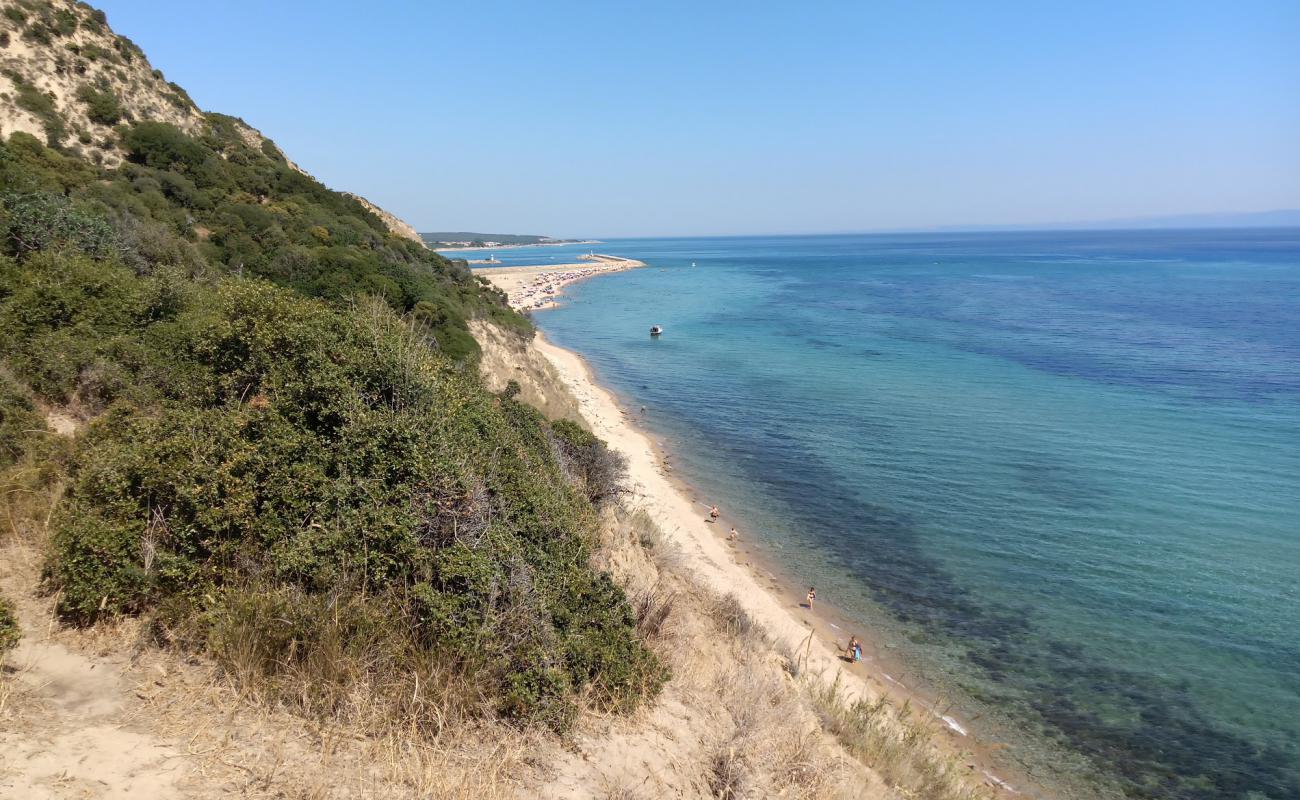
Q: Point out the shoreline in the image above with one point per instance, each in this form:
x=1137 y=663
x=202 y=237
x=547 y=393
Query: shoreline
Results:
x=536 y=288
x=771 y=598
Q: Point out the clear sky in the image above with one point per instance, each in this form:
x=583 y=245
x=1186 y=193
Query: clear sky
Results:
x=623 y=118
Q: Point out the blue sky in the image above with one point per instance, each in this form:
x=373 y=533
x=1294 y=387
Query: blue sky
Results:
x=621 y=118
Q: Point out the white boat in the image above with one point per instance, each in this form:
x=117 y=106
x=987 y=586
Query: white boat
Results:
x=655 y=330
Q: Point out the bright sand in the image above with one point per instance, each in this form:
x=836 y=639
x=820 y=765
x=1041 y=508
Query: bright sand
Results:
x=794 y=628
x=536 y=288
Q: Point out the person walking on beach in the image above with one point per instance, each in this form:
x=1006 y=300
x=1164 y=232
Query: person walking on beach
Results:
x=714 y=513
x=731 y=537
x=812 y=596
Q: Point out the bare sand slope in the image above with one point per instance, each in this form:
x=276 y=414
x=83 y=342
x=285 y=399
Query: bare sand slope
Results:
x=65 y=730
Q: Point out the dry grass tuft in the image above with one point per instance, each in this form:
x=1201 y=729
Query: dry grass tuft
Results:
x=900 y=749
x=732 y=618
x=728 y=775
x=653 y=606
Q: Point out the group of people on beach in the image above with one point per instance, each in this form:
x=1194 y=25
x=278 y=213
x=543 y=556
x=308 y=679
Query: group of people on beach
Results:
x=853 y=651
x=540 y=292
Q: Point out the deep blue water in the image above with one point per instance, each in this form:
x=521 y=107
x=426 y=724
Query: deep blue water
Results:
x=1057 y=473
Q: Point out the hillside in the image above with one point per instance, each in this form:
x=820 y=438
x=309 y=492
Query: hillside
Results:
x=279 y=426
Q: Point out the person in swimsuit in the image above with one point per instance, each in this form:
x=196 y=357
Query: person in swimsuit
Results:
x=812 y=596
x=855 y=650
x=714 y=513
x=731 y=537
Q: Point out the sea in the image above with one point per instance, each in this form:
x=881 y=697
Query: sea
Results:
x=1054 y=475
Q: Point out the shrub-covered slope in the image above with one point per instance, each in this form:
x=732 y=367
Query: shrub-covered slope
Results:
x=289 y=464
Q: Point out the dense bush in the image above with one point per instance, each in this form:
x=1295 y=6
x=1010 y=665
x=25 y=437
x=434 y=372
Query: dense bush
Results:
x=9 y=631
x=255 y=438
x=18 y=421
x=600 y=472
x=102 y=105
x=216 y=200
x=31 y=223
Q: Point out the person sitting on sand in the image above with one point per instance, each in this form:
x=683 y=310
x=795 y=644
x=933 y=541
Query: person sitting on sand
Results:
x=714 y=513
x=731 y=537
x=854 y=651
x=812 y=596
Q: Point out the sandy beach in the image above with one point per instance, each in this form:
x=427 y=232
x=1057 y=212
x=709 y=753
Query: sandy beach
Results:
x=811 y=634
x=539 y=287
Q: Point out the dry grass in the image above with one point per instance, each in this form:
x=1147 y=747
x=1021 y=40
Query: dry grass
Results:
x=29 y=493
x=902 y=750
x=775 y=745
x=790 y=733
x=344 y=665
x=653 y=606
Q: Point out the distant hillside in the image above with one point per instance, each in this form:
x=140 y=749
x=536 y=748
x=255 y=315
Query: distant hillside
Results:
x=470 y=239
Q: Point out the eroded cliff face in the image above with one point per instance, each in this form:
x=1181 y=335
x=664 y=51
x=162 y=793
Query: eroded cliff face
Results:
x=506 y=357
x=69 y=80
x=395 y=225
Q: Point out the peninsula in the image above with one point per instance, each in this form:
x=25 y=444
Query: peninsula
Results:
x=539 y=287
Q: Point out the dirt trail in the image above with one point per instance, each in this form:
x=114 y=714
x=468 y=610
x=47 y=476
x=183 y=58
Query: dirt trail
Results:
x=65 y=730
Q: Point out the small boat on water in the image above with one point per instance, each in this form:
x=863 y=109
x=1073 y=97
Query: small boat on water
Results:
x=655 y=330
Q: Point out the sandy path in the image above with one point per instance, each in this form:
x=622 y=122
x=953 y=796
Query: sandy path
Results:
x=64 y=731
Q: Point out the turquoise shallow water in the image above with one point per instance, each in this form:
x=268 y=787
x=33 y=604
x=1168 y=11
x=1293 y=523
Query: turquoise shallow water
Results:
x=1058 y=473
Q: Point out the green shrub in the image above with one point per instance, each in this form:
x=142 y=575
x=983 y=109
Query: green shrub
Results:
x=102 y=105
x=327 y=453
x=10 y=633
x=599 y=471
x=19 y=422
x=291 y=466
x=41 y=105
x=33 y=223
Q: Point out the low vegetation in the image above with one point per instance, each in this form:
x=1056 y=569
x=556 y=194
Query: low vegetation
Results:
x=288 y=464
x=217 y=204
x=901 y=750
x=263 y=460
x=9 y=632
x=598 y=470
